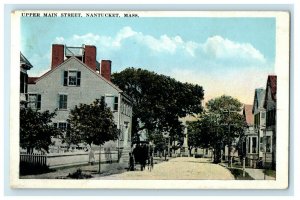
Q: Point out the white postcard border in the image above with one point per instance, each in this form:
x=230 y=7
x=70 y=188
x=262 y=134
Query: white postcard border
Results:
x=282 y=72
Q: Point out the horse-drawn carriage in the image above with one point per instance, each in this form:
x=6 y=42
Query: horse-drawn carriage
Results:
x=142 y=153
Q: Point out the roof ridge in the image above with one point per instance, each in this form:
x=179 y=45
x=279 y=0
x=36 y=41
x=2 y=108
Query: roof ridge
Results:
x=73 y=57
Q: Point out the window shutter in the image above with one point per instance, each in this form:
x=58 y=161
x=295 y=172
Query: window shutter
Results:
x=65 y=78
x=116 y=104
x=38 y=105
x=60 y=99
x=66 y=102
x=78 y=78
x=22 y=82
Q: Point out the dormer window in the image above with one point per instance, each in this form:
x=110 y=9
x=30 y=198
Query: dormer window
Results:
x=72 y=78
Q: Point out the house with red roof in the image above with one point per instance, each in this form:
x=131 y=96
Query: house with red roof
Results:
x=77 y=78
x=270 y=131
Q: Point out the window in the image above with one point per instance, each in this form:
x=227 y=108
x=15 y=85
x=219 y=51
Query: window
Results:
x=261 y=140
x=62 y=126
x=263 y=115
x=23 y=82
x=63 y=101
x=257 y=120
x=249 y=146
x=34 y=101
x=254 y=145
x=112 y=102
x=109 y=102
x=271 y=117
x=126 y=108
x=268 y=144
x=72 y=78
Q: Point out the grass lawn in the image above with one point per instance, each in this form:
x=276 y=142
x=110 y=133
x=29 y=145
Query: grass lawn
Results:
x=270 y=172
x=238 y=174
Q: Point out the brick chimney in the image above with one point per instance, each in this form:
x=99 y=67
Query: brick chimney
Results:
x=90 y=56
x=105 y=69
x=57 y=55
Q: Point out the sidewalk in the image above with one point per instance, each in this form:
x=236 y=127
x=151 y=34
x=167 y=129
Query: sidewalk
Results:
x=256 y=174
x=106 y=170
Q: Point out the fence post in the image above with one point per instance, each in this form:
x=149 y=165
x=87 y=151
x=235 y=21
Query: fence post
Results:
x=244 y=166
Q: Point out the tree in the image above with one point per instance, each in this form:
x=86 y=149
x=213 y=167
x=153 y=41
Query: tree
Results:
x=158 y=101
x=159 y=141
x=36 y=129
x=194 y=132
x=220 y=125
x=228 y=111
x=196 y=137
x=92 y=124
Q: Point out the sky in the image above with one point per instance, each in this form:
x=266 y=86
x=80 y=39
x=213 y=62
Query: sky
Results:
x=231 y=56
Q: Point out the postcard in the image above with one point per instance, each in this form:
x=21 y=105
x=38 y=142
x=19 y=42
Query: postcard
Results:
x=149 y=99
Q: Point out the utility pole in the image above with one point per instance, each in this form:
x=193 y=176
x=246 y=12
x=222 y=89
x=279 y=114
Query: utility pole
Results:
x=100 y=159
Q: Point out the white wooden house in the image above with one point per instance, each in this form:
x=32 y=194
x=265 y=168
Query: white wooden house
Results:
x=259 y=114
x=76 y=78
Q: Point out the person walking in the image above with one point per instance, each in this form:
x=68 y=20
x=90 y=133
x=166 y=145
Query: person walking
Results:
x=131 y=162
x=91 y=157
x=151 y=163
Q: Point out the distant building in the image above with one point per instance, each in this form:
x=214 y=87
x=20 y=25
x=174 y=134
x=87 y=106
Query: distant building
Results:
x=24 y=66
x=259 y=113
x=77 y=78
x=185 y=150
x=251 y=143
x=270 y=131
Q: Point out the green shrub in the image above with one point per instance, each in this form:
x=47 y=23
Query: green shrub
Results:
x=79 y=175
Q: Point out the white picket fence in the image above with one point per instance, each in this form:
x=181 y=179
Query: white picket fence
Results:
x=33 y=158
x=67 y=159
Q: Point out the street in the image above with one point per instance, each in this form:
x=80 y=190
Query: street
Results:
x=177 y=168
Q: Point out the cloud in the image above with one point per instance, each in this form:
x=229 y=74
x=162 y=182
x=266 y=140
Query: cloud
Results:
x=163 y=44
x=217 y=47
x=123 y=34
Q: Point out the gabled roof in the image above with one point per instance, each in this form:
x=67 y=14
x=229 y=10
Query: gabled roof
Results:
x=24 y=62
x=247 y=112
x=259 y=97
x=74 y=58
x=272 y=86
x=32 y=80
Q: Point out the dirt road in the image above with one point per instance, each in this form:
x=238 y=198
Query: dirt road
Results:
x=182 y=168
